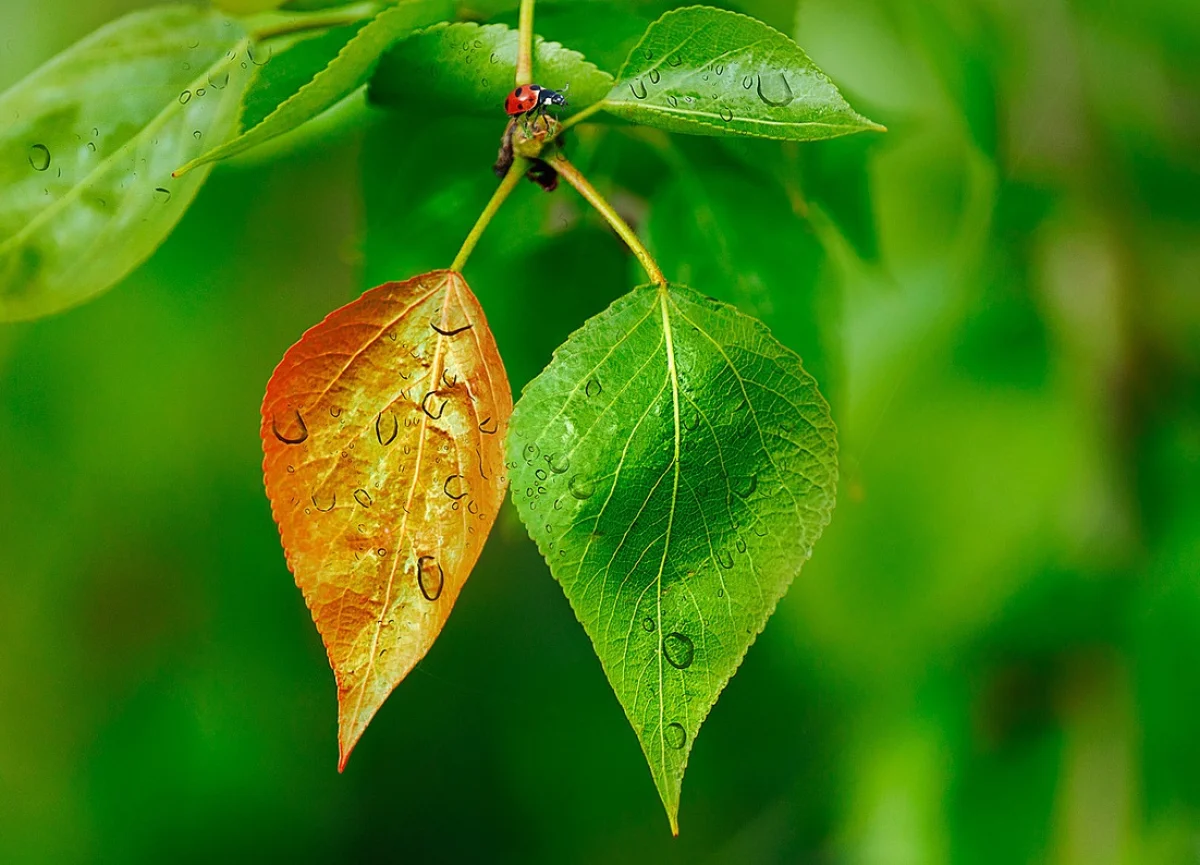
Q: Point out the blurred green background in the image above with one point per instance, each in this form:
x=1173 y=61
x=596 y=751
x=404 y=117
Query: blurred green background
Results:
x=994 y=654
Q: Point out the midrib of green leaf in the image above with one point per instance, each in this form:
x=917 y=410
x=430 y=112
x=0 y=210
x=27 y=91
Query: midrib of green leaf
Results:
x=674 y=377
x=70 y=196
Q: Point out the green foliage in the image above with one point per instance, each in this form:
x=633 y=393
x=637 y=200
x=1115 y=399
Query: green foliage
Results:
x=468 y=69
x=318 y=73
x=704 y=71
x=996 y=297
x=86 y=155
x=675 y=465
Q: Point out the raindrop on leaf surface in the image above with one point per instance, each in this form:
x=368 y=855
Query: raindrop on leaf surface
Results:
x=39 y=157
x=430 y=578
x=679 y=649
x=581 y=488
x=675 y=736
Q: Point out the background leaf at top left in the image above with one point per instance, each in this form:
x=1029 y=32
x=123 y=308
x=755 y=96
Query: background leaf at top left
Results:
x=316 y=74
x=87 y=145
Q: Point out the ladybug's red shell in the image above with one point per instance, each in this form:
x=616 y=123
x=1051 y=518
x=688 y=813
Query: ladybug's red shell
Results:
x=522 y=100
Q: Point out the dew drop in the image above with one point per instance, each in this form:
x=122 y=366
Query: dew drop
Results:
x=185 y=97
x=593 y=388
x=162 y=195
x=250 y=56
x=719 y=69
x=197 y=134
x=638 y=88
x=581 y=487
x=649 y=54
x=92 y=146
x=291 y=470
x=679 y=649
x=429 y=580
x=540 y=474
x=530 y=452
x=674 y=60
x=724 y=559
x=672 y=101
x=740 y=544
x=720 y=593
x=39 y=157
x=291 y=438
x=675 y=735
x=220 y=81
x=381 y=552
x=780 y=95
x=654 y=76
x=451 y=482
x=558 y=464
x=748 y=82
x=745 y=487
x=186 y=66
x=648 y=625
x=362 y=497
x=692 y=421
x=727 y=115
x=200 y=91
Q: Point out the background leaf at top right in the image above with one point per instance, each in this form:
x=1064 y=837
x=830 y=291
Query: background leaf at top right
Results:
x=710 y=72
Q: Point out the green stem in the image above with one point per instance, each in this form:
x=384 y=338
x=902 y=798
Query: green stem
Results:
x=305 y=23
x=525 y=43
x=515 y=172
x=570 y=173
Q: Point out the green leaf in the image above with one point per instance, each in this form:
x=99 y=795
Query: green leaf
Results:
x=469 y=69
x=675 y=465
x=316 y=74
x=710 y=72
x=87 y=145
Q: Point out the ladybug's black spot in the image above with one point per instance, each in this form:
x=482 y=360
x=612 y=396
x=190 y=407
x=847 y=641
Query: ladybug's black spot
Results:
x=535 y=87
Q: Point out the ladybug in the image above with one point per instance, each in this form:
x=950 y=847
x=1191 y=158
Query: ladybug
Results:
x=532 y=99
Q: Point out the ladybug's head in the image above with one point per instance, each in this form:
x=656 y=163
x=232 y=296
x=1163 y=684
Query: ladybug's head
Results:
x=552 y=97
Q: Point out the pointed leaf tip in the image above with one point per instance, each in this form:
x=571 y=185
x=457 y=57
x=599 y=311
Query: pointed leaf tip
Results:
x=383 y=432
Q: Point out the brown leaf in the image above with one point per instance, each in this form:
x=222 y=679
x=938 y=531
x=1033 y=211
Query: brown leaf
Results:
x=383 y=432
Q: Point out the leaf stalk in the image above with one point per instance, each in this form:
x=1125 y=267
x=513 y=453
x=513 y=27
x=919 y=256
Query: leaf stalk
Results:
x=570 y=173
x=515 y=172
x=525 y=43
